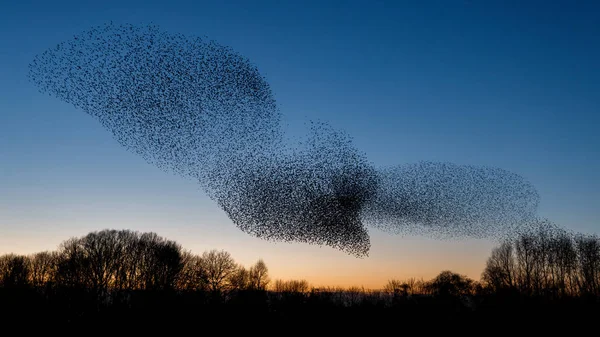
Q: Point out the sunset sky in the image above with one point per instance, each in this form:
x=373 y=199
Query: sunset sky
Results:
x=508 y=84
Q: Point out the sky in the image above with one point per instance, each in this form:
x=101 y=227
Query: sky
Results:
x=509 y=84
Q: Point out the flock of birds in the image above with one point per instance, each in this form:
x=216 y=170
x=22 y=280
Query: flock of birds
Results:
x=203 y=111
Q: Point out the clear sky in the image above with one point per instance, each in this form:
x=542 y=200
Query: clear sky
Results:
x=511 y=84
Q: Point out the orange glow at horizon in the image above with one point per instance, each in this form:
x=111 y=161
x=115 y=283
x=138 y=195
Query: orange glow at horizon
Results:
x=391 y=257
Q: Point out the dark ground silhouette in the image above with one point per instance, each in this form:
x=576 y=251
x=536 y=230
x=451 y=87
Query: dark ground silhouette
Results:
x=128 y=282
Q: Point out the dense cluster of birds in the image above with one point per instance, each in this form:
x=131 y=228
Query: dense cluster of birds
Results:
x=203 y=111
x=451 y=200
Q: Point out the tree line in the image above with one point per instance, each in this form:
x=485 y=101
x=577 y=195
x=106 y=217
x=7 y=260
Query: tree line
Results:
x=545 y=261
x=111 y=278
x=541 y=261
x=127 y=260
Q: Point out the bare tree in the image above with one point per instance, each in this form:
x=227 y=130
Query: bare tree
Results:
x=128 y=274
x=525 y=250
x=71 y=264
x=119 y=260
x=588 y=251
x=291 y=286
x=410 y=286
x=448 y=283
x=547 y=261
x=239 y=279
x=413 y=285
x=500 y=271
x=192 y=275
x=43 y=268
x=562 y=261
x=14 y=271
x=102 y=251
x=259 y=276
x=393 y=286
x=160 y=262
x=219 y=265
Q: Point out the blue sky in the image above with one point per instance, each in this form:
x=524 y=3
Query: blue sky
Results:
x=511 y=84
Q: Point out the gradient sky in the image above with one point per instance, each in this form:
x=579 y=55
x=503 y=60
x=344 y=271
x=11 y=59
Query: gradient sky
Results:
x=511 y=84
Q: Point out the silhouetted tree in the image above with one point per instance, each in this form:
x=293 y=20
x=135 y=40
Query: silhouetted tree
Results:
x=588 y=252
x=393 y=286
x=192 y=276
x=160 y=262
x=239 y=279
x=219 y=265
x=43 y=268
x=291 y=286
x=500 y=273
x=410 y=286
x=102 y=252
x=71 y=264
x=128 y=274
x=545 y=261
x=448 y=283
x=14 y=271
x=562 y=265
x=112 y=259
x=525 y=258
x=259 y=276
